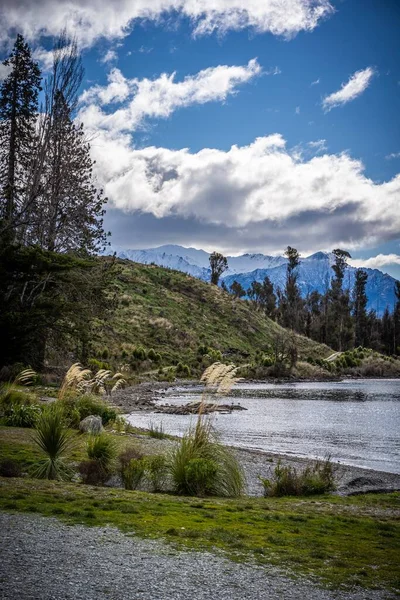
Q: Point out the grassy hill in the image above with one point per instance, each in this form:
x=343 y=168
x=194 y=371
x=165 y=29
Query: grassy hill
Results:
x=183 y=318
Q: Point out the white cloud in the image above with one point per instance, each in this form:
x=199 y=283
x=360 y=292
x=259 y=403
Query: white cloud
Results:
x=297 y=110
x=159 y=97
x=44 y=57
x=355 y=86
x=393 y=155
x=318 y=146
x=316 y=82
x=376 y=262
x=326 y=200
x=273 y=71
x=109 y=57
x=4 y=71
x=91 y=20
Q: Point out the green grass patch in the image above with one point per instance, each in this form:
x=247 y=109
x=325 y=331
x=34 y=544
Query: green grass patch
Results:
x=337 y=541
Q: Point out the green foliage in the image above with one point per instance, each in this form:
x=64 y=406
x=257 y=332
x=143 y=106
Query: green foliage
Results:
x=54 y=440
x=139 y=353
x=157 y=431
x=287 y=481
x=201 y=476
x=201 y=443
x=156 y=469
x=102 y=449
x=77 y=408
x=96 y=365
x=22 y=415
x=182 y=370
x=133 y=473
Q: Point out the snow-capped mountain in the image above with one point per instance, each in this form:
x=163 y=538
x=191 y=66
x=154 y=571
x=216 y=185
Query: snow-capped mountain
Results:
x=315 y=271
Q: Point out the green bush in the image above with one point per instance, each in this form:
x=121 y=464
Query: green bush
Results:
x=22 y=415
x=156 y=471
x=287 y=481
x=183 y=370
x=102 y=449
x=133 y=473
x=201 y=475
x=54 y=440
x=139 y=353
x=77 y=408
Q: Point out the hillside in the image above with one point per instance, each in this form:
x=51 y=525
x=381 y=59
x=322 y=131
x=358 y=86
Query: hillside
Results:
x=174 y=314
x=315 y=271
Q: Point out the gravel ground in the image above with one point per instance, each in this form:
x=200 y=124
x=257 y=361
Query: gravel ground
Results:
x=43 y=559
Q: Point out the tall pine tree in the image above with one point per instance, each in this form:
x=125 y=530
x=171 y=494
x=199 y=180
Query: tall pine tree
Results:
x=339 y=322
x=360 y=308
x=18 y=114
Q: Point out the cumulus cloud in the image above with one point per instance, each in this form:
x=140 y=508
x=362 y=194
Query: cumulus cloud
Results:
x=251 y=192
x=356 y=85
x=91 y=20
x=159 y=97
x=376 y=262
x=109 y=57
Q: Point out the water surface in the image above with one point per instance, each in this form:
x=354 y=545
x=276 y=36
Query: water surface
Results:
x=356 y=422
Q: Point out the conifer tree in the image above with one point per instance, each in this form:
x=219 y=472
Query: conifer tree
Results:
x=18 y=114
x=339 y=322
x=290 y=301
x=360 y=308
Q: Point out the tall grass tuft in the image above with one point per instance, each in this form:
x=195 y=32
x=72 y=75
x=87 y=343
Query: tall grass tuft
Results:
x=318 y=478
x=54 y=440
x=157 y=431
x=201 y=464
x=102 y=449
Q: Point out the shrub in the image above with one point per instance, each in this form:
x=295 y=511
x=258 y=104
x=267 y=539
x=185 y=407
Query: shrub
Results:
x=156 y=471
x=92 y=472
x=152 y=355
x=139 y=353
x=128 y=454
x=102 y=449
x=183 y=370
x=201 y=475
x=105 y=354
x=133 y=473
x=78 y=408
x=11 y=395
x=287 y=481
x=125 y=300
x=54 y=440
x=9 y=468
x=22 y=415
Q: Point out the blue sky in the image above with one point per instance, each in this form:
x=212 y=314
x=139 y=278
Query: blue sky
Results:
x=325 y=172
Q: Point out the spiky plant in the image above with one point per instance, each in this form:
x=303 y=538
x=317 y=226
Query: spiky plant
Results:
x=102 y=448
x=55 y=441
x=25 y=377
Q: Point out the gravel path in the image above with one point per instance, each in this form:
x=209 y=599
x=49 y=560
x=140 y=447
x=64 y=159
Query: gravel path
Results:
x=43 y=559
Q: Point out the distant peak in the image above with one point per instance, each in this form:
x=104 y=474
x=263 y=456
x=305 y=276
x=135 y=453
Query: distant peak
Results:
x=319 y=256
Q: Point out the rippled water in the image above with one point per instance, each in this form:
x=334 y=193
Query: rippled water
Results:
x=356 y=422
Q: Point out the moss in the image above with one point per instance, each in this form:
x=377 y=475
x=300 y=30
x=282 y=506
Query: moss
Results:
x=339 y=541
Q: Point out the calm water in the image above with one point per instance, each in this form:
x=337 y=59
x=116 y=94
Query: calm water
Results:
x=356 y=422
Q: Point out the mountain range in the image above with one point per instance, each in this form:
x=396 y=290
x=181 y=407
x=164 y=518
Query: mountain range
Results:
x=315 y=271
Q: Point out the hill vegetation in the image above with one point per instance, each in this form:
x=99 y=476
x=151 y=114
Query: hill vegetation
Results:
x=165 y=317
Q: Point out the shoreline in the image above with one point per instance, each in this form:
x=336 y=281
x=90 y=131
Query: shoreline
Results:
x=352 y=479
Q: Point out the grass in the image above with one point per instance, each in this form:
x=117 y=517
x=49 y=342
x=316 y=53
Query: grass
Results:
x=336 y=541
x=173 y=314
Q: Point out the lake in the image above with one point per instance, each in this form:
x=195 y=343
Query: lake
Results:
x=356 y=422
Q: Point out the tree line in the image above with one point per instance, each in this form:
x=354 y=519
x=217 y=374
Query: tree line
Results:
x=338 y=318
x=51 y=211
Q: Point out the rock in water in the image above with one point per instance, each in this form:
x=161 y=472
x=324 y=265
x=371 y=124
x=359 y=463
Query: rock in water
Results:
x=92 y=424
